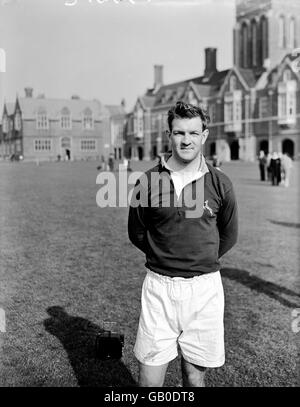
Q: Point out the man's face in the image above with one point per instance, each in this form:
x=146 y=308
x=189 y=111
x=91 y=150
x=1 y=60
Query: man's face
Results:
x=187 y=139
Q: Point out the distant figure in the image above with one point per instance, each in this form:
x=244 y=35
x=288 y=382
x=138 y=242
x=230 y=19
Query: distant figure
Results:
x=275 y=165
x=129 y=169
x=262 y=165
x=102 y=165
x=68 y=154
x=269 y=175
x=286 y=165
x=111 y=162
x=216 y=162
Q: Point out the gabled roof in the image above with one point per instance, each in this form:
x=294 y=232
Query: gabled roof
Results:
x=147 y=101
x=9 y=108
x=115 y=110
x=274 y=74
x=203 y=86
x=249 y=76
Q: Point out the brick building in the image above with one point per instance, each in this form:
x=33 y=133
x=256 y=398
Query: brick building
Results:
x=39 y=128
x=254 y=105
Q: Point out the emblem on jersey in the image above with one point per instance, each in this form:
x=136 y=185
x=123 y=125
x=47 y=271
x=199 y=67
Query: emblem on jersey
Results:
x=205 y=206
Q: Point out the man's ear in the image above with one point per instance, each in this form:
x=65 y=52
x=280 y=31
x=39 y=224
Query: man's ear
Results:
x=168 y=133
x=205 y=135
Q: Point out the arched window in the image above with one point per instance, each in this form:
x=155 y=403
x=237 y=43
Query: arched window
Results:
x=264 y=37
x=254 y=43
x=281 y=32
x=244 y=45
x=87 y=122
x=65 y=119
x=292 y=33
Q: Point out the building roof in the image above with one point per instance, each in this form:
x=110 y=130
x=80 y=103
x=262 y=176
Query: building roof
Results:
x=10 y=108
x=115 y=110
x=30 y=106
x=250 y=76
x=203 y=86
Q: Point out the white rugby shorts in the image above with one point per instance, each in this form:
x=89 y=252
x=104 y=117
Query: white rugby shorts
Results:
x=184 y=312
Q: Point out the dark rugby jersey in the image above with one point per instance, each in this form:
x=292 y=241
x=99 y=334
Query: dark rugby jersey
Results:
x=185 y=236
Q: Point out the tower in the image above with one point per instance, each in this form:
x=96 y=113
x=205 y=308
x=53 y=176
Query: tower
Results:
x=265 y=31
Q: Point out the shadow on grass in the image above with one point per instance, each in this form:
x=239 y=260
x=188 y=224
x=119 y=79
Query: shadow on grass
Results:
x=256 y=182
x=288 y=224
x=272 y=290
x=77 y=336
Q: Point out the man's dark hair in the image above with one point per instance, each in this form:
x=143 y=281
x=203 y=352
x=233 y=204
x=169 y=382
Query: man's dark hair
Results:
x=183 y=110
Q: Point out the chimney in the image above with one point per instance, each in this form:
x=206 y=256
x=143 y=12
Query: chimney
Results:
x=210 y=61
x=28 y=92
x=158 y=76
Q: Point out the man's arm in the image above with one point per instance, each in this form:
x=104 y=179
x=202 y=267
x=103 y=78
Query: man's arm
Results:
x=137 y=231
x=228 y=223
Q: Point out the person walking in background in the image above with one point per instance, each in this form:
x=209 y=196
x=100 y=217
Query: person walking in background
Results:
x=262 y=165
x=275 y=169
x=286 y=165
x=111 y=162
x=268 y=164
x=182 y=299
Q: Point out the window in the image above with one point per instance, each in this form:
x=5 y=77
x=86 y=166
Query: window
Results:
x=292 y=33
x=18 y=123
x=254 y=42
x=139 y=124
x=281 y=31
x=65 y=119
x=88 y=145
x=264 y=36
x=88 y=123
x=42 y=145
x=5 y=124
x=233 y=111
x=287 y=102
x=263 y=106
x=228 y=112
x=212 y=113
x=244 y=45
x=42 y=122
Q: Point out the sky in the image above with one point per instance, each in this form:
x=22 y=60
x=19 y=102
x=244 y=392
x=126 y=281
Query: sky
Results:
x=106 y=49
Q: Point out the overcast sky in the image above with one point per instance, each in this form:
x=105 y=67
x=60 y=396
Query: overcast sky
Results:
x=100 y=49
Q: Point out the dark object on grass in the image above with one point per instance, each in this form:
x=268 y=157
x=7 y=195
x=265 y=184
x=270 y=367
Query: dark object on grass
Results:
x=109 y=345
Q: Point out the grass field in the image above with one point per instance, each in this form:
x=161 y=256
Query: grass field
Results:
x=66 y=265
